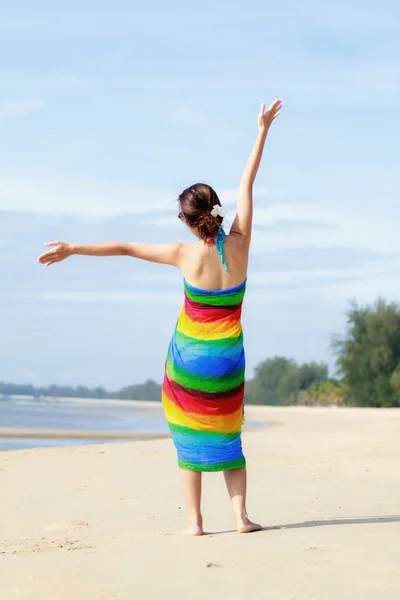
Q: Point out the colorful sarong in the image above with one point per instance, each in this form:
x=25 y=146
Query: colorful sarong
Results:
x=203 y=387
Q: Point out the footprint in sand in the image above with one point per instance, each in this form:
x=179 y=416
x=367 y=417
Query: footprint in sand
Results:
x=66 y=526
x=43 y=545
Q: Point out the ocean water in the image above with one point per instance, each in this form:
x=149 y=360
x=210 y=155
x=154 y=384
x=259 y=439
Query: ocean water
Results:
x=72 y=416
x=79 y=416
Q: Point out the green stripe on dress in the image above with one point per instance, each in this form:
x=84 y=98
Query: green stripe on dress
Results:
x=238 y=463
x=201 y=382
x=207 y=435
x=217 y=300
x=182 y=338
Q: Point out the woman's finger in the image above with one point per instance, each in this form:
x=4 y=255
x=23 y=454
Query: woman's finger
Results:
x=43 y=256
x=52 y=243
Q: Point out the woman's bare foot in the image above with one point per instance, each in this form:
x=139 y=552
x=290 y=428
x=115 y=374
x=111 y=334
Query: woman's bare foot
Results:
x=191 y=481
x=247 y=526
x=236 y=482
x=193 y=530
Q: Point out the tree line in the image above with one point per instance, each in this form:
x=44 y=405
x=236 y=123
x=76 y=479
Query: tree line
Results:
x=367 y=370
x=367 y=366
x=150 y=390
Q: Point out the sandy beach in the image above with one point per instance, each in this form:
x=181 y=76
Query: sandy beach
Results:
x=102 y=522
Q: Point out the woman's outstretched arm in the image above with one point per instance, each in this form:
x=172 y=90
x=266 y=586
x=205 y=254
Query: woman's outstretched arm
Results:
x=169 y=254
x=244 y=214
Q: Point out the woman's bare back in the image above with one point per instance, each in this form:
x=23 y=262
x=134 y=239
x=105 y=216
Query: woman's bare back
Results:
x=201 y=264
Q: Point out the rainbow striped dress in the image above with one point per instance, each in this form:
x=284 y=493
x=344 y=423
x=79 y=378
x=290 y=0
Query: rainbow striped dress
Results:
x=203 y=387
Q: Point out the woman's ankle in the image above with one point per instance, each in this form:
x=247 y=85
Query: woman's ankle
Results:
x=196 y=519
x=241 y=515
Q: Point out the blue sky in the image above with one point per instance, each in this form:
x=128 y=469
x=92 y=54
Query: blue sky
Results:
x=109 y=109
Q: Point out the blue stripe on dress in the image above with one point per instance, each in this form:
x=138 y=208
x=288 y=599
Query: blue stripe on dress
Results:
x=207 y=452
x=203 y=364
x=231 y=290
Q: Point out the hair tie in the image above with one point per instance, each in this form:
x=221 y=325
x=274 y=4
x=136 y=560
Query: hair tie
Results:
x=219 y=241
x=217 y=211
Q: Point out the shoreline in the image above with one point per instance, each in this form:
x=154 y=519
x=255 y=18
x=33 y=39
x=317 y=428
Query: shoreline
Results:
x=93 y=401
x=152 y=411
x=76 y=434
x=257 y=418
x=156 y=404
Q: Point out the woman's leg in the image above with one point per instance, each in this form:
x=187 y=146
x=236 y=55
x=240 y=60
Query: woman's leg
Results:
x=236 y=483
x=191 y=481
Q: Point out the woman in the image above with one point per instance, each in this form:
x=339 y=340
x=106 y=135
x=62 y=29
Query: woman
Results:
x=203 y=387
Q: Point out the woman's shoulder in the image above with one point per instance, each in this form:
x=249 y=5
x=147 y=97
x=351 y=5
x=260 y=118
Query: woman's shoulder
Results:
x=235 y=238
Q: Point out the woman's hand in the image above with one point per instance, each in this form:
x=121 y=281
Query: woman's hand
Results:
x=60 y=252
x=244 y=213
x=265 y=117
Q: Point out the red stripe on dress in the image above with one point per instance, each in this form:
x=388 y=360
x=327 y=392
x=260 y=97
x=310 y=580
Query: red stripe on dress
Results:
x=213 y=306
x=197 y=313
x=206 y=395
x=203 y=403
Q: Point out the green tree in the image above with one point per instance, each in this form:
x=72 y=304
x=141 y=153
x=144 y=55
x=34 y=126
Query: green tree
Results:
x=369 y=354
x=324 y=393
x=150 y=390
x=395 y=379
x=288 y=388
x=279 y=380
x=273 y=381
x=313 y=371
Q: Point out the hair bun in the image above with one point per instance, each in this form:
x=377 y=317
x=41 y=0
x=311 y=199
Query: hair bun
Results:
x=209 y=226
x=196 y=203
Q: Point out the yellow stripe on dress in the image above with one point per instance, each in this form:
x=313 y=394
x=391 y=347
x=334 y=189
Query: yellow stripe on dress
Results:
x=219 y=423
x=208 y=331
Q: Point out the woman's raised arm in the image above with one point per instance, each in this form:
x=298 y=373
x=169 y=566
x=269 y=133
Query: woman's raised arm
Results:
x=244 y=214
x=169 y=254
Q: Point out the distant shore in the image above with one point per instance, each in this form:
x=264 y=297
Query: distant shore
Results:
x=108 y=401
x=71 y=434
x=59 y=421
x=137 y=408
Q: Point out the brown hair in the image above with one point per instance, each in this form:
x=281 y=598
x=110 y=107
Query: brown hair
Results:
x=196 y=204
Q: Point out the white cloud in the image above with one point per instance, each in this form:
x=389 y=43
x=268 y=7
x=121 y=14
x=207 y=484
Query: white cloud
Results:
x=96 y=199
x=325 y=76
x=306 y=277
x=167 y=221
x=114 y=296
x=289 y=26
x=196 y=123
x=352 y=227
x=374 y=270
x=344 y=17
x=18 y=108
x=61 y=195
x=365 y=291
x=162 y=277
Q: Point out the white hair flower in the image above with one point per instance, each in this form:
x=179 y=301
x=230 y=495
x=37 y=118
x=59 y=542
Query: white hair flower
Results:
x=217 y=211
